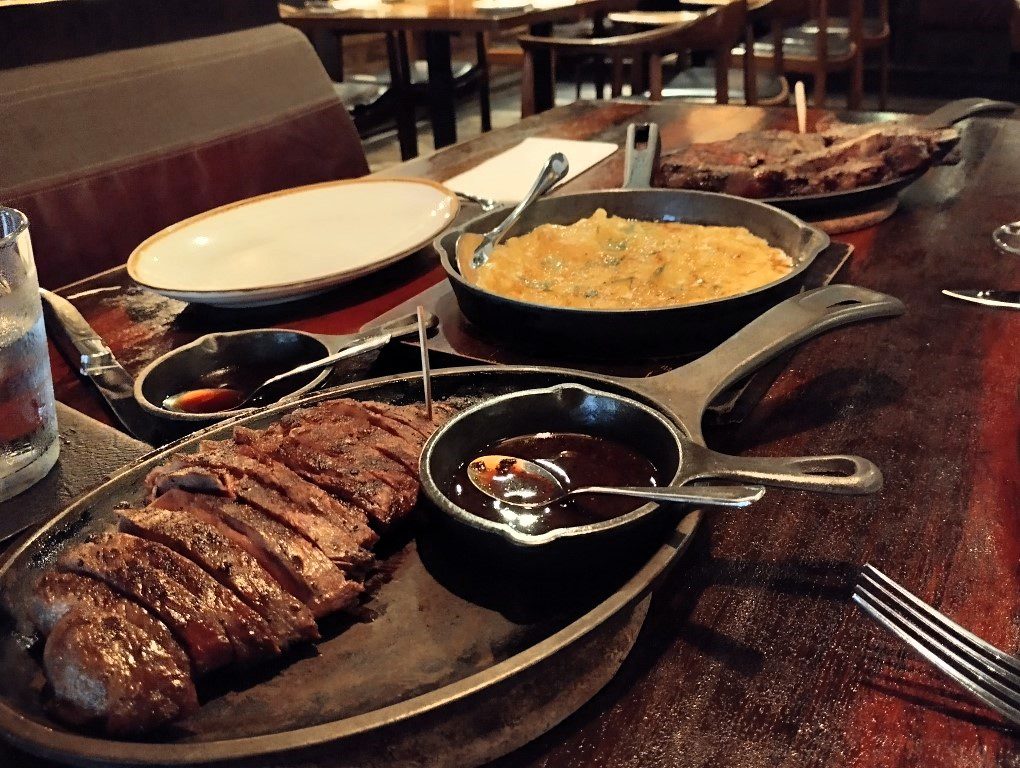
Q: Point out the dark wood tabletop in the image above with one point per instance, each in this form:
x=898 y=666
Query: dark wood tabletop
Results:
x=753 y=654
x=440 y=15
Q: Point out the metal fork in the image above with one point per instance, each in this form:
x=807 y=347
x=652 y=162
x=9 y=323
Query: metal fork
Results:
x=979 y=668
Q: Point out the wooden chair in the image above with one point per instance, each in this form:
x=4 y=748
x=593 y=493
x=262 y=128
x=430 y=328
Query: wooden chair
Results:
x=875 y=35
x=802 y=41
x=644 y=51
x=700 y=83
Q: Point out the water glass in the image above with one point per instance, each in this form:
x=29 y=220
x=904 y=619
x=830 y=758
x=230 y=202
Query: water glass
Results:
x=29 y=445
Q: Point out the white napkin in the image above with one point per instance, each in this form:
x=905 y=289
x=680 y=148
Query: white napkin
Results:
x=508 y=176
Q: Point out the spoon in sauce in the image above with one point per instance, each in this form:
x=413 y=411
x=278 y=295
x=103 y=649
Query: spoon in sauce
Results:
x=473 y=250
x=529 y=485
x=219 y=399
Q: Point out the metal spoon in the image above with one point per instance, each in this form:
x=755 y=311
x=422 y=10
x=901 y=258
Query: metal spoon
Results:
x=473 y=249
x=527 y=484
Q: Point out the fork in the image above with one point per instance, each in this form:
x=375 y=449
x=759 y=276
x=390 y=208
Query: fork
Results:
x=979 y=668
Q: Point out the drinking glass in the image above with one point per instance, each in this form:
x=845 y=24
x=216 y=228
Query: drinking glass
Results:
x=28 y=420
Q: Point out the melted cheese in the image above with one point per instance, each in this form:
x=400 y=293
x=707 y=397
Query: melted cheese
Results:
x=606 y=262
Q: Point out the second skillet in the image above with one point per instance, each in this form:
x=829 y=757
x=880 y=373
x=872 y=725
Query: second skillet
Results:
x=680 y=328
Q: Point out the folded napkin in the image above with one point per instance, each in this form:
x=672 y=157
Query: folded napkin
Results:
x=508 y=176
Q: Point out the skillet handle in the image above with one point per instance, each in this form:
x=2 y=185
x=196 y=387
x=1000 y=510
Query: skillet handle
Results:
x=639 y=163
x=689 y=390
x=961 y=109
x=848 y=475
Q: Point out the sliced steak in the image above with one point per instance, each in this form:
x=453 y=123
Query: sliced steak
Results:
x=347 y=452
x=218 y=466
x=335 y=474
x=365 y=426
x=208 y=619
x=229 y=473
x=300 y=568
x=116 y=666
x=232 y=566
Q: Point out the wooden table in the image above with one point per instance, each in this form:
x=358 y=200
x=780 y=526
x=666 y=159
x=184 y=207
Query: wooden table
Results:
x=439 y=20
x=752 y=654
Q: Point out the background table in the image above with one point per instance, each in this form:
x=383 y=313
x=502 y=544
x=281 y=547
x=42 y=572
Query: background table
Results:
x=752 y=654
x=440 y=20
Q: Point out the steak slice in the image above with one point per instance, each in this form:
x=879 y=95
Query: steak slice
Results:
x=335 y=474
x=367 y=427
x=300 y=568
x=347 y=451
x=57 y=593
x=223 y=462
x=289 y=620
x=114 y=665
x=226 y=472
x=213 y=624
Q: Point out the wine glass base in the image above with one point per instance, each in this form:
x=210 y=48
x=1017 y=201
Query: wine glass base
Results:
x=1007 y=237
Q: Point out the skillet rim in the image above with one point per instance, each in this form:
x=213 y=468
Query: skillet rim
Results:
x=808 y=231
x=74 y=748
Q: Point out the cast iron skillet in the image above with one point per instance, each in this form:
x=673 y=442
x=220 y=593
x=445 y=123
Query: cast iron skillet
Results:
x=631 y=331
x=661 y=419
x=377 y=733
x=855 y=199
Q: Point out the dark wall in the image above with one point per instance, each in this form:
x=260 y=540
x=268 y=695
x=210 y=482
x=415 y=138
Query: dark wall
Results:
x=59 y=29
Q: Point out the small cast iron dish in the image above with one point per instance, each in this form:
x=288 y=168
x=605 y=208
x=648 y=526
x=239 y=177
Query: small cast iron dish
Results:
x=660 y=417
x=268 y=350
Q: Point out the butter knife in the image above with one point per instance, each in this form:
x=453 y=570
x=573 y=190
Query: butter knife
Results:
x=87 y=352
x=1007 y=299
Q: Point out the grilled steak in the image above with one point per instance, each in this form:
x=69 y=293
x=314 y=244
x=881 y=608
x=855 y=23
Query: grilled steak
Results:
x=217 y=466
x=289 y=620
x=783 y=163
x=300 y=568
x=365 y=427
x=223 y=470
x=243 y=546
x=115 y=665
x=210 y=621
x=334 y=473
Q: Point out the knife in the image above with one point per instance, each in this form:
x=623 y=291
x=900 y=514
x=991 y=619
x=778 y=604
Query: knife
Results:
x=85 y=350
x=1008 y=299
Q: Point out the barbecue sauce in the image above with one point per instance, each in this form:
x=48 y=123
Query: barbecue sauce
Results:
x=227 y=387
x=577 y=460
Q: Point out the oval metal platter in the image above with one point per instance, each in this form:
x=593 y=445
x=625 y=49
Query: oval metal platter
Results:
x=453 y=663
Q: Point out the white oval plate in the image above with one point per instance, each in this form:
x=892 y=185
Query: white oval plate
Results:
x=293 y=243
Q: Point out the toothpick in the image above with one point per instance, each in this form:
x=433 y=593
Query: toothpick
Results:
x=801 y=101
x=426 y=373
